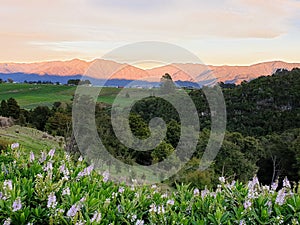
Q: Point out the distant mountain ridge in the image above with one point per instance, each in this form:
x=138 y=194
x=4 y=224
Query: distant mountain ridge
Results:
x=179 y=72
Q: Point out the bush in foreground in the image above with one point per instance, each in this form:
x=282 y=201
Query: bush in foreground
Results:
x=51 y=188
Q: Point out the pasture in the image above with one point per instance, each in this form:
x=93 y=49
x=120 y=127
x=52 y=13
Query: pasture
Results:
x=30 y=96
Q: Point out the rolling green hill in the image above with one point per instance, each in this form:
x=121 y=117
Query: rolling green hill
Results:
x=30 y=96
x=30 y=138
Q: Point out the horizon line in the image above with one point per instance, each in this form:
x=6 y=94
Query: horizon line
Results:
x=91 y=60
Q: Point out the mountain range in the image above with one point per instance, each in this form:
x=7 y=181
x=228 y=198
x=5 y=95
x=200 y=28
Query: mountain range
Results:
x=61 y=71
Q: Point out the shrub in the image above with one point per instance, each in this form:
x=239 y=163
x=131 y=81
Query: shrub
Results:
x=4 y=144
x=53 y=188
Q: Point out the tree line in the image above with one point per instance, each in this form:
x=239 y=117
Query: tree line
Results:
x=263 y=130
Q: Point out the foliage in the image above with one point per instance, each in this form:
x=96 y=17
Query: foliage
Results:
x=55 y=188
x=29 y=138
x=59 y=124
x=279 y=158
x=10 y=108
x=39 y=116
x=266 y=105
x=4 y=108
x=4 y=144
x=73 y=81
x=260 y=138
x=30 y=96
x=78 y=82
x=167 y=84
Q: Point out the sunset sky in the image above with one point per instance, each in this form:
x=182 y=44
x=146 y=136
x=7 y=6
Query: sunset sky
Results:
x=232 y=32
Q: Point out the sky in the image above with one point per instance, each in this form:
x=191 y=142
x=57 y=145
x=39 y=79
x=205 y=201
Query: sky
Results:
x=219 y=32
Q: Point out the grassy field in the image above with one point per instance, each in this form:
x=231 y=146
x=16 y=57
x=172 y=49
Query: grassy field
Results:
x=31 y=139
x=30 y=95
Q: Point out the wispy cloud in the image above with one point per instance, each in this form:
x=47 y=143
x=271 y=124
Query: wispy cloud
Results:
x=67 y=25
x=138 y=6
x=231 y=18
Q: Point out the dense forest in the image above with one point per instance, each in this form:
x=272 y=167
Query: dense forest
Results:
x=263 y=130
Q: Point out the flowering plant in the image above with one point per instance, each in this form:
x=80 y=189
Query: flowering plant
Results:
x=56 y=188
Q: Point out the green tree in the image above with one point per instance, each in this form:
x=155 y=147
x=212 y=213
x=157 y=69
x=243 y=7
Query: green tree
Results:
x=39 y=117
x=73 y=82
x=4 y=109
x=232 y=163
x=191 y=174
x=173 y=133
x=84 y=82
x=56 y=105
x=279 y=158
x=138 y=126
x=167 y=84
x=13 y=108
x=162 y=151
x=59 y=124
x=24 y=117
x=296 y=149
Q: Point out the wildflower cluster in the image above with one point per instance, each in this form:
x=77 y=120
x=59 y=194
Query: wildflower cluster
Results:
x=51 y=188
